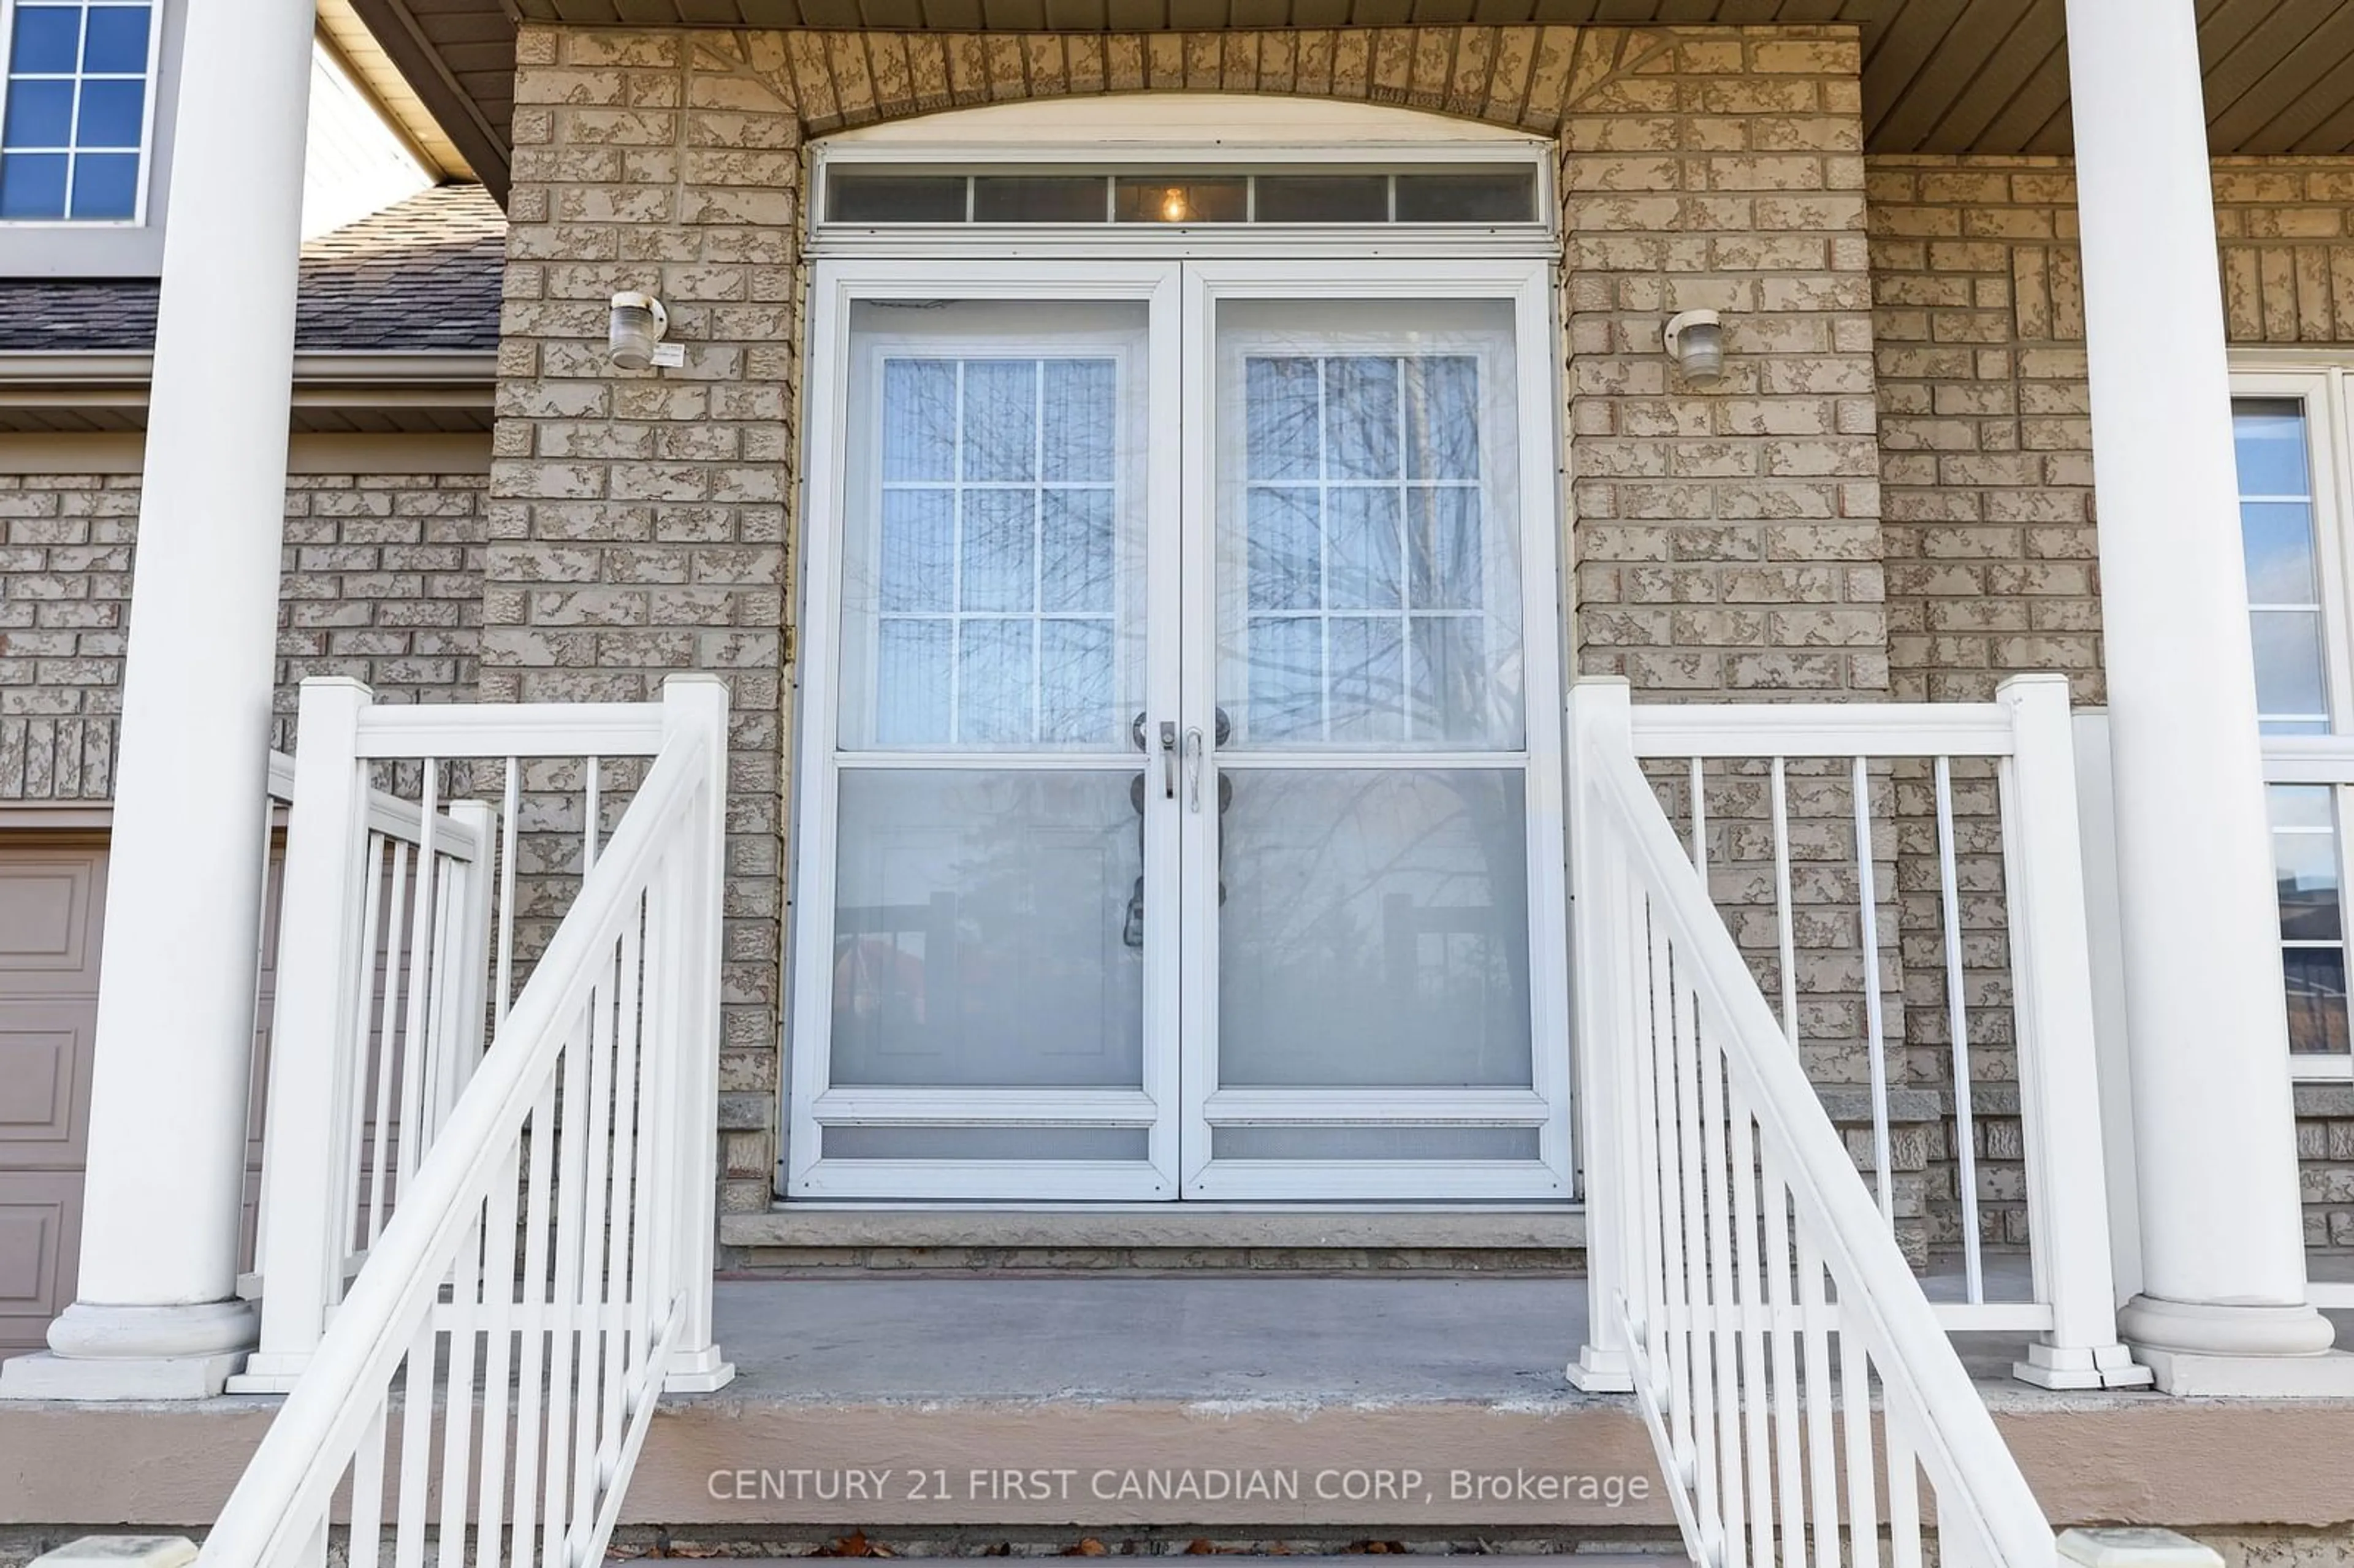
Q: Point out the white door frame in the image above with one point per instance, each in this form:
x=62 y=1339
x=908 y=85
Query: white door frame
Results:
x=1178 y=1104
x=1528 y=284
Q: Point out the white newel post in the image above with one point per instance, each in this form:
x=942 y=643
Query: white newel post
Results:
x=305 y=1153
x=2059 y=1074
x=692 y=703
x=1600 y=717
x=155 y=1314
x=2222 y=1308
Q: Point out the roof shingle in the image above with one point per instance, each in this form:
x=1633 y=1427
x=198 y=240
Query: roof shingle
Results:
x=421 y=275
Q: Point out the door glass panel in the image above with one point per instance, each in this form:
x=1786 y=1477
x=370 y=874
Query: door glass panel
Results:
x=1374 y=929
x=992 y=590
x=981 y=934
x=1369 y=534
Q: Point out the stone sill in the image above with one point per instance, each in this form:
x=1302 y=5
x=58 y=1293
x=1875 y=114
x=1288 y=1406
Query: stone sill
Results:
x=1171 y=1225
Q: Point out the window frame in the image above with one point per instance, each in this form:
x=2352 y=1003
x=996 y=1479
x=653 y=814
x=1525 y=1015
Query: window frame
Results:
x=152 y=80
x=2323 y=384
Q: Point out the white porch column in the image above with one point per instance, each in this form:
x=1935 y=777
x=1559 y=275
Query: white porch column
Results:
x=2224 y=1304
x=157 y=1314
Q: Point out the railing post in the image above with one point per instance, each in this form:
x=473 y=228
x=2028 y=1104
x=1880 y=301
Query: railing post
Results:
x=1599 y=721
x=462 y=966
x=692 y=704
x=2059 y=1083
x=312 y=1047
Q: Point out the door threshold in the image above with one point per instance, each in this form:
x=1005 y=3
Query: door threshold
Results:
x=1164 y=1227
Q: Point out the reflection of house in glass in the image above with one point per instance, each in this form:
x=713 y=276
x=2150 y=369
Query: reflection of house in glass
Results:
x=2314 y=960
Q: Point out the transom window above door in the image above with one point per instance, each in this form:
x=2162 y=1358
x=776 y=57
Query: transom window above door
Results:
x=1120 y=174
x=1459 y=194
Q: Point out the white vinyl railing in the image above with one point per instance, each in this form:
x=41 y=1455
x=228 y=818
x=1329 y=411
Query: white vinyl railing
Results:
x=1901 y=873
x=484 y=1386
x=428 y=934
x=391 y=978
x=1767 y=1314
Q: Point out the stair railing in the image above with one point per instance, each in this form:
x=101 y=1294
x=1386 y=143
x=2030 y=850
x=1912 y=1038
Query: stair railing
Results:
x=1797 y=1383
x=484 y=1387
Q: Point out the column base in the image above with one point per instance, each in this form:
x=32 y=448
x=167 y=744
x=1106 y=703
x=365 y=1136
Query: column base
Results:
x=2247 y=1350
x=2191 y=1374
x=702 y=1370
x=1600 y=1372
x=45 y=1374
x=105 y=1352
x=2081 y=1367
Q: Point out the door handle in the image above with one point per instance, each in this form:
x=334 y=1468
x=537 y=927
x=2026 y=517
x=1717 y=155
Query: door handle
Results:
x=1168 y=760
x=1193 y=759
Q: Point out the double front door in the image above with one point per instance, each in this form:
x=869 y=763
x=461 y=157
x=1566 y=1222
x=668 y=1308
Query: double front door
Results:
x=1179 y=796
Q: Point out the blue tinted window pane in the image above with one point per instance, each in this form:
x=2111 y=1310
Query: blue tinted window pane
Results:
x=110 y=114
x=40 y=114
x=116 y=39
x=106 y=184
x=2268 y=438
x=46 y=39
x=32 y=185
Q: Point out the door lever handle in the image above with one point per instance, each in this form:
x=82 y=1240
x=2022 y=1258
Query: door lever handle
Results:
x=1168 y=760
x=1193 y=770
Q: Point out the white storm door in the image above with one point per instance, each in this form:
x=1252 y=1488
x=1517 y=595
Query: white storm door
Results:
x=985 y=981
x=1373 y=840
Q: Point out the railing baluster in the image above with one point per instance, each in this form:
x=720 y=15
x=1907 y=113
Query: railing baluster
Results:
x=1724 y=1305
x=510 y=806
x=1785 y=930
x=1875 y=1029
x=596 y=1244
x=1855 y=1424
x=1755 y=1385
x=458 y=1413
x=391 y=1068
x=365 y=1540
x=620 y=1249
x=1676 y=1304
x=500 y=1288
x=416 y=1448
x=538 y=1319
x=354 y=1225
x=1957 y=1022
x=1691 y=1133
x=1700 y=817
x=571 y=1164
x=1788 y=1456
x=424 y=1065
x=1904 y=1488
x=1822 y=1457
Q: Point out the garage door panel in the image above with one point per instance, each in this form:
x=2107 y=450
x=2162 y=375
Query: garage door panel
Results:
x=40 y=1235
x=51 y=903
x=45 y=1057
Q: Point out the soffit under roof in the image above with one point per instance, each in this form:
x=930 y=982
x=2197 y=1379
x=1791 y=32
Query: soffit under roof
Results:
x=1940 y=76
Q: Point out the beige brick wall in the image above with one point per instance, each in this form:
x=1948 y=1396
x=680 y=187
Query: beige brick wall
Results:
x=382 y=580
x=1986 y=446
x=1986 y=468
x=1728 y=540
x=638 y=523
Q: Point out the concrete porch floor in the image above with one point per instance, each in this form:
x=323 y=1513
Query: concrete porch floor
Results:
x=905 y=1402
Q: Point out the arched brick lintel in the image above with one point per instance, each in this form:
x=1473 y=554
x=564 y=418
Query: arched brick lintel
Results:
x=1525 y=77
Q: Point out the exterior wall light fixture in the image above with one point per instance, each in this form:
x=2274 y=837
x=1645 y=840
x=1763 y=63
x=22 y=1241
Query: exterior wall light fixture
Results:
x=635 y=330
x=1695 y=341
